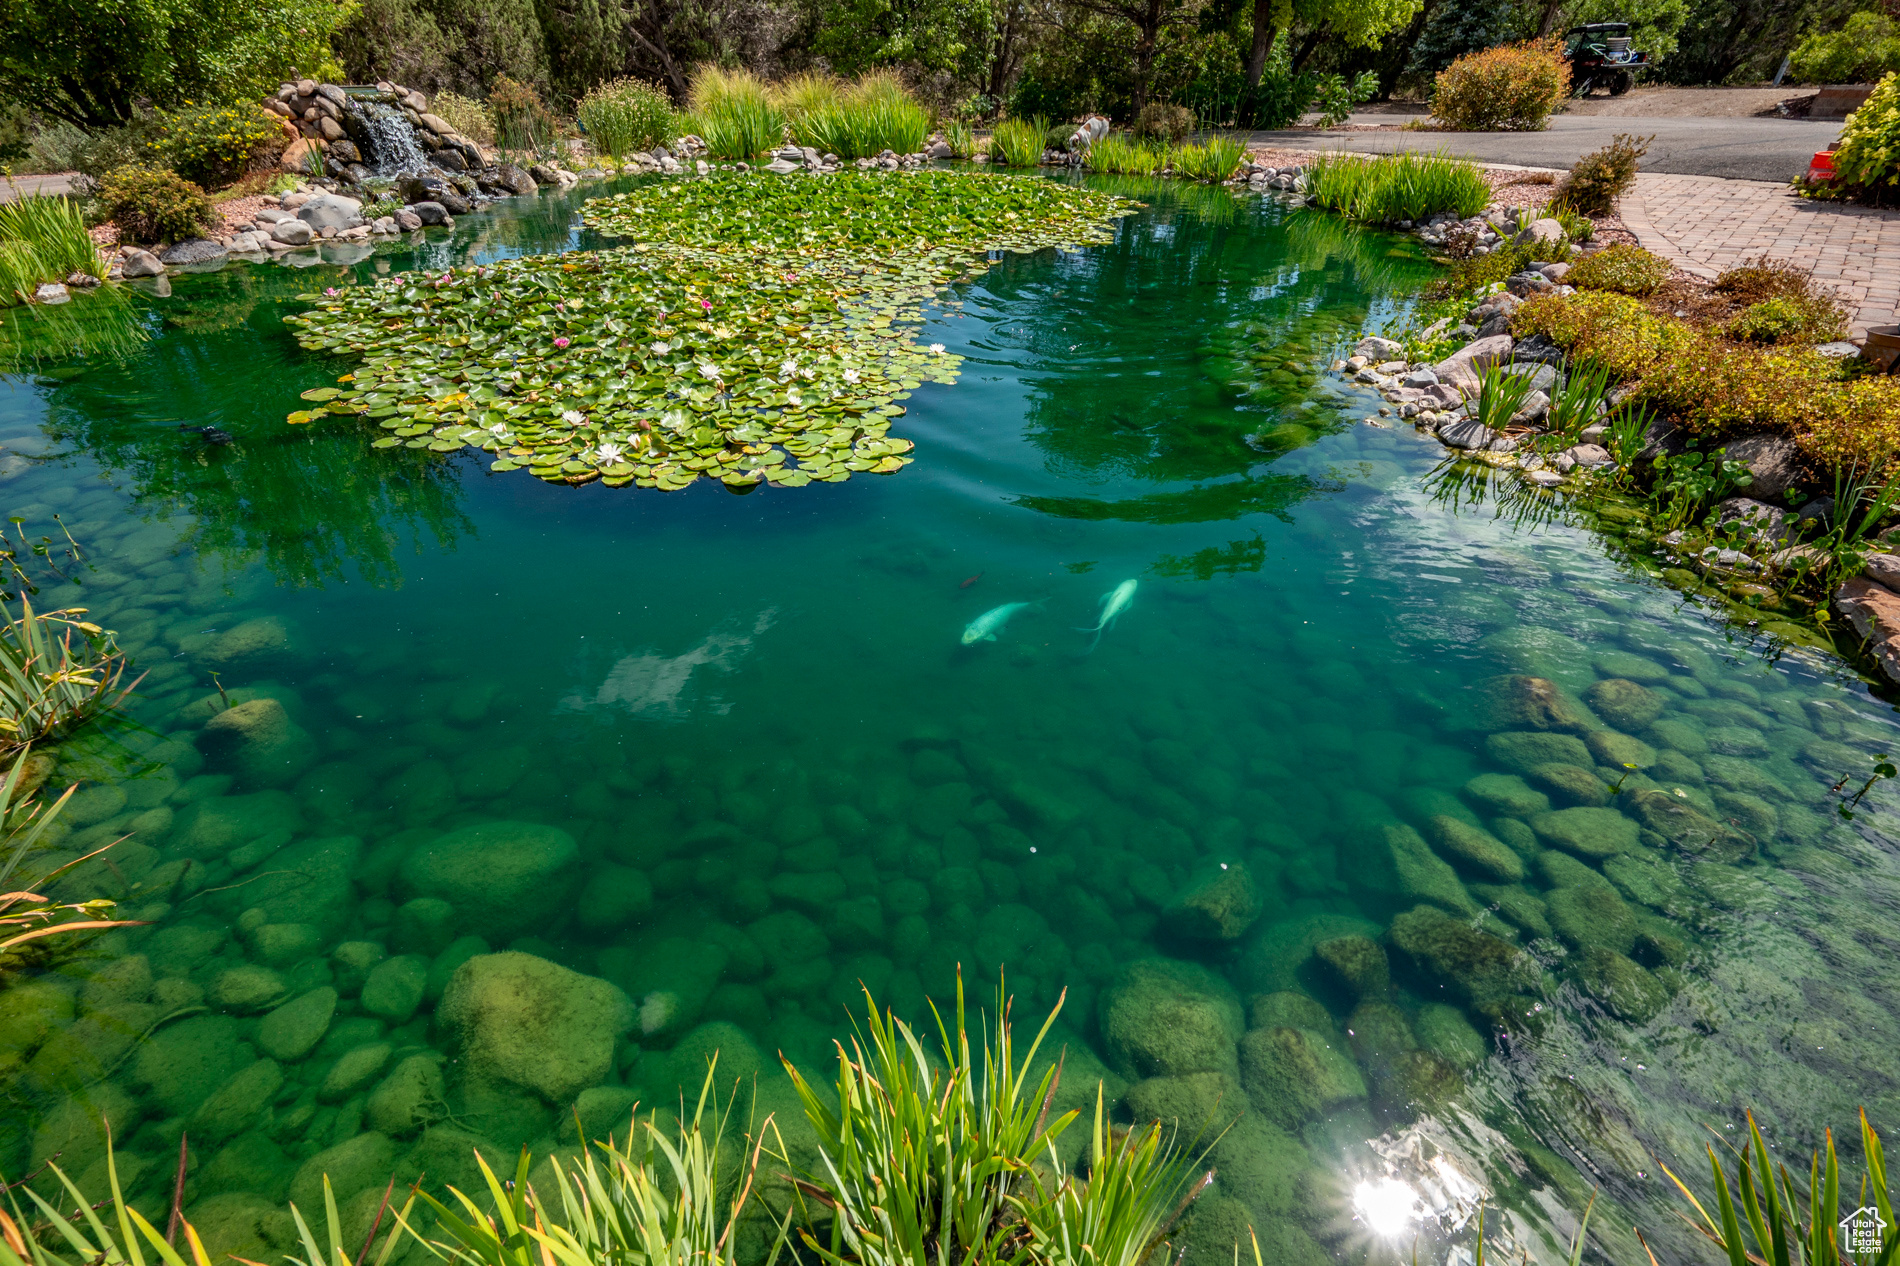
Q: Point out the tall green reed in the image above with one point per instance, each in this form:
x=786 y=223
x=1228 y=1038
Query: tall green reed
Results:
x=1501 y=394
x=624 y=115
x=863 y=120
x=26 y=917
x=733 y=112
x=1215 y=159
x=1121 y=154
x=1019 y=142
x=43 y=238
x=1394 y=187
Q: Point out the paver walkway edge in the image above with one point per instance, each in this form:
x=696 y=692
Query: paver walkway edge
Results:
x=1705 y=224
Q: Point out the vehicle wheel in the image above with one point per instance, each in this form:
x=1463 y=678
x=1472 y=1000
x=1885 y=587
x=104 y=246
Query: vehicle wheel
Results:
x=1623 y=82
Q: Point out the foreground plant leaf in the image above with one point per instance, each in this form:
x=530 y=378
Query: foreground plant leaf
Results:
x=687 y=355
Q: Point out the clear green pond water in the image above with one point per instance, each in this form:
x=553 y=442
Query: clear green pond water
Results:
x=730 y=755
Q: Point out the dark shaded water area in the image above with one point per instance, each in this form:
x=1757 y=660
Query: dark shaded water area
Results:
x=521 y=800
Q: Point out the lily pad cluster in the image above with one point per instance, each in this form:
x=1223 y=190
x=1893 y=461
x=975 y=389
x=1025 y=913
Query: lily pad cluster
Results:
x=694 y=353
x=862 y=211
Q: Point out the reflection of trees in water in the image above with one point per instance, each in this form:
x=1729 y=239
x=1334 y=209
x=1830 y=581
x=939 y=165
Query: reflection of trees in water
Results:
x=103 y=324
x=310 y=501
x=1190 y=346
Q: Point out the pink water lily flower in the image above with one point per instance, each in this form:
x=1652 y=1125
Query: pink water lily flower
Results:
x=706 y=304
x=560 y=342
x=331 y=291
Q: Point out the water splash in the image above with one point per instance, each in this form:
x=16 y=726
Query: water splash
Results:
x=390 y=147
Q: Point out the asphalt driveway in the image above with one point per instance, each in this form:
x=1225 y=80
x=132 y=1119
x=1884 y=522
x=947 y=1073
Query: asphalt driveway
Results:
x=1737 y=149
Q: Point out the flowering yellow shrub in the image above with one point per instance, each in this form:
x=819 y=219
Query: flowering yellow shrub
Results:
x=214 y=145
x=1833 y=411
x=1511 y=88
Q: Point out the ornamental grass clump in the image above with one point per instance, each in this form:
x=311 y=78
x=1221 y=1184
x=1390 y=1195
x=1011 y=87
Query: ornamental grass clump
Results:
x=1215 y=159
x=43 y=238
x=863 y=120
x=50 y=684
x=466 y=115
x=1121 y=154
x=1621 y=268
x=1019 y=142
x=624 y=115
x=1599 y=178
x=1395 y=187
x=1511 y=88
x=733 y=112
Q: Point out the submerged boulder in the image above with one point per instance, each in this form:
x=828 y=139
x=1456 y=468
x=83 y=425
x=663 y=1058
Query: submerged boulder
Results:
x=524 y=1021
x=1476 y=965
x=1161 y=1017
x=259 y=742
x=1586 y=831
x=1358 y=963
x=1688 y=828
x=1293 y=1075
x=1625 y=704
x=1522 y=751
x=1529 y=703
x=1218 y=903
x=1476 y=850
x=503 y=878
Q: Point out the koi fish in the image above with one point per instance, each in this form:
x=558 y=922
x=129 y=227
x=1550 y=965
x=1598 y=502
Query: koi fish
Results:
x=971 y=581
x=1114 y=602
x=986 y=626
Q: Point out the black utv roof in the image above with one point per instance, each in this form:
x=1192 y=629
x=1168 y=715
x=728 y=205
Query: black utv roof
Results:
x=1618 y=27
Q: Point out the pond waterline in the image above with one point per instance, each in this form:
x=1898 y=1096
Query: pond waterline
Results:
x=750 y=766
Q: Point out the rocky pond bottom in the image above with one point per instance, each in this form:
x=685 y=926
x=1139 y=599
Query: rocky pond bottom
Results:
x=1388 y=835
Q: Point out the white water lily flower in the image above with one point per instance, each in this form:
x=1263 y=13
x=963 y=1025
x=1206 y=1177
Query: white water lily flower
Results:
x=936 y=349
x=709 y=370
x=500 y=428
x=789 y=368
x=808 y=374
x=661 y=349
x=607 y=454
x=850 y=375
x=573 y=417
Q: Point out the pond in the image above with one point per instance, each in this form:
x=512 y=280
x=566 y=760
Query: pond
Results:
x=1292 y=836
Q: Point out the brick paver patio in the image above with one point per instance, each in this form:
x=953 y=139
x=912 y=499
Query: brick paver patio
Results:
x=1706 y=224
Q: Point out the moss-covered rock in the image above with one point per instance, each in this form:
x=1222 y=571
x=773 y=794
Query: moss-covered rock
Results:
x=185 y=1061
x=1378 y=1032
x=252 y=644
x=1446 y=1033
x=1262 y=1166
x=1194 y=1105
x=1587 y=832
x=1572 y=784
x=1643 y=877
x=524 y=1021
x=1287 y=1009
x=1358 y=963
x=1507 y=794
x=1293 y=1075
x=1518 y=836
x=311 y=882
x=1217 y=903
x=73 y=1130
x=1277 y=950
x=1523 y=751
x=739 y=1062
x=246 y=988
x=210 y=828
x=1517 y=906
x=1214 y=1229
x=1419 y=874
x=600 y=1113
x=1622 y=985
x=1616 y=750
x=1416 y=1083
x=1475 y=965
x=1475 y=850
x=613 y=898
x=1528 y=703
x=1592 y=915
x=503 y=878
x=367 y=1159
x=1625 y=705
x=356 y=1069
x=1689 y=829
x=259 y=743
x=76 y=1056
x=410 y=1099
x=393 y=989
x=1163 y=1018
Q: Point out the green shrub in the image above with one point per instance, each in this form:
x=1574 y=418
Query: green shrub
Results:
x=1335 y=97
x=43 y=238
x=93 y=155
x=624 y=115
x=1215 y=159
x=1789 y=319
x=151 y=204
x=466 y=115
x=1602 y=176
x=1860 y=52
x=1394 y=187
x=1511 y=88
x=214 y=145
x=863 y=120
x=1164 y=122
x=1869 y=156
x=1760 y=278
x=733 y=112
x=1019 y=142
x=1121 y=154
x=1620 y=267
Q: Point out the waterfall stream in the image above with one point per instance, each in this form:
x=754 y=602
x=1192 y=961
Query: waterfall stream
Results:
x=391 y=147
